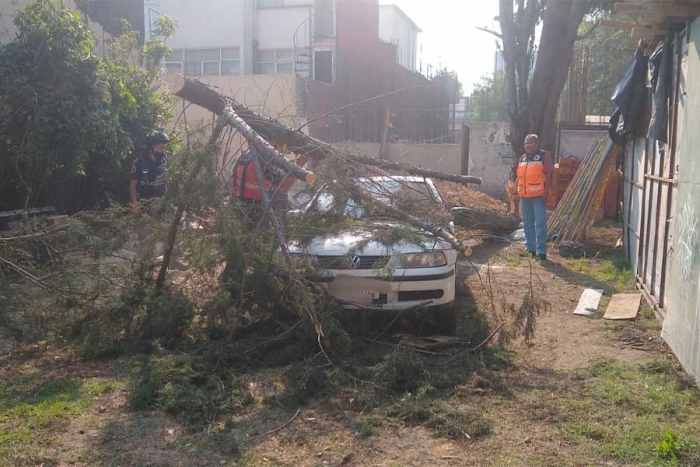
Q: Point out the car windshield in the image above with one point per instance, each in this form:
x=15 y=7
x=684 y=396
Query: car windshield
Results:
x=414 y=197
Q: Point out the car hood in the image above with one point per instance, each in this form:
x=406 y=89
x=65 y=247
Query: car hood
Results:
x=359 y=239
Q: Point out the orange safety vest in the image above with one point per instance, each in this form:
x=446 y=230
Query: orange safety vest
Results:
x=245 y=181
x=531 y=176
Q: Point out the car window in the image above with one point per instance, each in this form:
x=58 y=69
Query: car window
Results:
x=415 y=197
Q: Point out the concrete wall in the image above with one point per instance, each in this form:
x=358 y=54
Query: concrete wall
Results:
x=682 y=325
x=577 y=142
x=442 y=157
x=8 y=31
x=212 y=23
x=275 y=96
x=396 y=28
x=276 y=27
x=490 y=155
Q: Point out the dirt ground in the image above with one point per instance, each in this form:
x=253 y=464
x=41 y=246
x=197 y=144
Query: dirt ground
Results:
x=534 y=403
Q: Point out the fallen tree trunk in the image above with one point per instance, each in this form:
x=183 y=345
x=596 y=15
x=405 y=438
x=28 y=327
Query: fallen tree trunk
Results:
x=204 y=96
x=298 y=289
x=485 y=220
x=264 y=149
x=388 y=165
x=296 y=141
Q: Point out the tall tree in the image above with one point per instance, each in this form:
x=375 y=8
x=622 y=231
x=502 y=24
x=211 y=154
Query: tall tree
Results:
x=533 y=93
x=487 y=102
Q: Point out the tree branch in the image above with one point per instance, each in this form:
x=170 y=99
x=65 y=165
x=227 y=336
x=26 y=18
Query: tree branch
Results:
x=493 y=33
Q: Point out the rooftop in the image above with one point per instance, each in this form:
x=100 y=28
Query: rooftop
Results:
x=650 y=19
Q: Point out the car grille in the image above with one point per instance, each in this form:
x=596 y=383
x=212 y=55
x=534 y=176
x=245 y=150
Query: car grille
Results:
x=344 y=262
x=415 y=295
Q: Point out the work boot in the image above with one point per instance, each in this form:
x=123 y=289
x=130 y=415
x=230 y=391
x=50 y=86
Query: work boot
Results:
x=542 y=257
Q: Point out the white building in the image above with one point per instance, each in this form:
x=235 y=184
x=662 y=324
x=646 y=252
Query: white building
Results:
x=397 y=28
x=243 y=37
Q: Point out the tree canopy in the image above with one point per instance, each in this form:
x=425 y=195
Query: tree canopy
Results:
x=70 y=121
x=449 y=80
x=487 y=102
x=536 y=73
x=610 y=51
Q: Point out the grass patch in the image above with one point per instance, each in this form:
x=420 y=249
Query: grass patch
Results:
x=613 y=274
x=443 y=422
x=624 y=412
x=514 y=257
x=369 y=425
x=31 y=416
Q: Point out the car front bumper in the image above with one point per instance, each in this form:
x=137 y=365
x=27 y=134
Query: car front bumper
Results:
x=403 y=289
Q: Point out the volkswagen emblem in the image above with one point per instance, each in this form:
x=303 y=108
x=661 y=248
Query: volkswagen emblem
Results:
x=355 y=261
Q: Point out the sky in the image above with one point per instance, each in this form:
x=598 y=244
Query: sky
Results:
x=450 y=37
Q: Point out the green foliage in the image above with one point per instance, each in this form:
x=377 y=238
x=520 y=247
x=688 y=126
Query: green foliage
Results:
x=610 y=53
x=449 y=81
x=487 y=102
x=187 y=388
x=70 y=119
x=443 y=422
x=31 y=414
x=670 y=447
x=627 y=410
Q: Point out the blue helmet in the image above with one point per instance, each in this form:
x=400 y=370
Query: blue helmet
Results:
x=157 y=137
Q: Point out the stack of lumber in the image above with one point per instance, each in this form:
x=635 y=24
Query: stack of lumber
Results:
x=584 y=196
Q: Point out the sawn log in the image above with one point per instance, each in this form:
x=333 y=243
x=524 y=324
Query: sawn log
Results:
x=204 y=96
x=295 y=141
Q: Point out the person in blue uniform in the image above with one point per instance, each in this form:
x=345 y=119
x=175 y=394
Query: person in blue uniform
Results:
x=148 y=172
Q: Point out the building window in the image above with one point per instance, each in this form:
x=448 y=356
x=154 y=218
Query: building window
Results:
x=275 y=62
x=270 y=3
x=204 y=62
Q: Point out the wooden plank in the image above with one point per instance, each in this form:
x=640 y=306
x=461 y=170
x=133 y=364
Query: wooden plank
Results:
x=647 y=33
x=623 y=307
x=588 y=304
x=660 y=179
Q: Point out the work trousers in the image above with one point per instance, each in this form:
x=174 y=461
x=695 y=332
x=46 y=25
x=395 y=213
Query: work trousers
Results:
x=534 y=214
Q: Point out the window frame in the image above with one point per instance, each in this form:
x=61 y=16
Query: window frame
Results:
x=276 y=63
x=183 y=64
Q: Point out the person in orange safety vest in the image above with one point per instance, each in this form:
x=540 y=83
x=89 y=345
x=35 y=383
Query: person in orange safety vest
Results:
x=245 y=184
x=535 y=171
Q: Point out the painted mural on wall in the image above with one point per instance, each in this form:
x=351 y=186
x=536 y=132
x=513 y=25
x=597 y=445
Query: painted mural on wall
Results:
x=687 y=243
x=499 y=136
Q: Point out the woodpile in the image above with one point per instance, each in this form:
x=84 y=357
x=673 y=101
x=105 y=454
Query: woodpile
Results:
x=583 y=198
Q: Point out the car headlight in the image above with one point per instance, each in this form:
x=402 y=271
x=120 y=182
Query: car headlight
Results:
x=427 y=259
